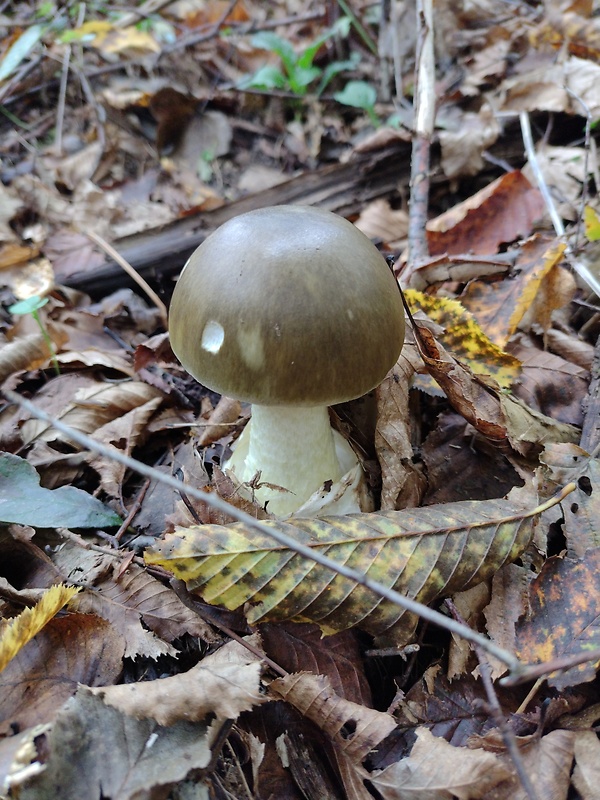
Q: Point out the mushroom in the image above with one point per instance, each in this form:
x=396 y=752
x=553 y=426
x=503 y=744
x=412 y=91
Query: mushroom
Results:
x=292 y=309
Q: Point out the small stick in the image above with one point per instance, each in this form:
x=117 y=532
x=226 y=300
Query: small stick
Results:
x=423 y=133
x=580 y=268
x=508 y=735
x=135 y=276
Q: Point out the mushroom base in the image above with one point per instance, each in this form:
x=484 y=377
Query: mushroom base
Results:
x=293 y=448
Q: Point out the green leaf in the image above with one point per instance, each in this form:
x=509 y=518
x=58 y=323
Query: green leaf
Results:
x=20 y=50
x=357 y=94
x=267 y=77
x=29 y=305
x=423 y=553
x=333 y=69
x=267 y=40
x=299 y=78
x=24 y=501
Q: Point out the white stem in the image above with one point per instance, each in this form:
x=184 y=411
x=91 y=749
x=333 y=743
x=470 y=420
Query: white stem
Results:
x=293 y=448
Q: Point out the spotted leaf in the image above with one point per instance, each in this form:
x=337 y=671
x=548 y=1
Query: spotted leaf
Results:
x=423 y=553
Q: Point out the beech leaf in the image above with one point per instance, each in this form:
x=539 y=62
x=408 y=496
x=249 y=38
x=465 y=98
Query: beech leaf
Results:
x=423 y=553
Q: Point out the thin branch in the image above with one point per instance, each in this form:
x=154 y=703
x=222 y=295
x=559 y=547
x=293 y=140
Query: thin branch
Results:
x=133 y=274
x=580 y=268
x=62 y=99
x=429 y=614
x=508 y=735
x=423 y=133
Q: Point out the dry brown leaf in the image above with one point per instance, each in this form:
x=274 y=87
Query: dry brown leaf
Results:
x=586 y=777
x=122 y=434
x=435 y=770
x=224 y=684
x=563 y=169
x=92 y=750
x=69 y=651
x=469 y=605
x=136 y=597
x=354 y=728
x=24 y=353
x=464 y=142
x=547 y=762
x=379 y=221
x=508 y=602
x=500 y=306
x=402 y=484
x=86 y=408
x=502 y=212
x=549 y=383
x=299 y=647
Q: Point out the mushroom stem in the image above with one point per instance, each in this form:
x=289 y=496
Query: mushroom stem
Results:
x=293 y=447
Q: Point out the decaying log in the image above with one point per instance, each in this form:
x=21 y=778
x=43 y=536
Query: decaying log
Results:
x=345 y=188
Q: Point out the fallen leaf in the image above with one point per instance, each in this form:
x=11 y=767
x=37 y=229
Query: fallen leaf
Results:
x=23 y=500
x=93 y=750
x=437 y=771
x=586 y=777
x=300 y=647
x=22 y=628
x=502 y=212
x=67 y=652
x=224 y=684
x=423 y=553
x=465 y=339
x=354 y=728
x=564 y=616
x=500 y=306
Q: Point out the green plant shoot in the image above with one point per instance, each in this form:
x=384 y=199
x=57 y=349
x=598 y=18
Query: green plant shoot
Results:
x=32 y=306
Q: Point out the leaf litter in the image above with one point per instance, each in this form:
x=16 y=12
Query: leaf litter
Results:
x=503 y=326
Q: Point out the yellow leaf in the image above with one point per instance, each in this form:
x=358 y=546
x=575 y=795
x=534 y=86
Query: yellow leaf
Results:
x=592 y=224
x=423 y=553
x=464 y=338
x=23 y=628
x=127 y=39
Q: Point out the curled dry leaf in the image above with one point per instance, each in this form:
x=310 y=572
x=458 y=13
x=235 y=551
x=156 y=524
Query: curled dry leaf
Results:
x=437 y=770
x=355 y=728
x=401 y=482
x=224 y=684
x=501 y=418
x=87 y=407
x=24 y=353
x=423 y=553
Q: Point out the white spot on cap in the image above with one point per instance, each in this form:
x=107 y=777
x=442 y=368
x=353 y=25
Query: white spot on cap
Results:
x=213 y=336
x=251 y=345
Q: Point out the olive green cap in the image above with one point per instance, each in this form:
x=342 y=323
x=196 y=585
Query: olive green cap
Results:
x=287 y=305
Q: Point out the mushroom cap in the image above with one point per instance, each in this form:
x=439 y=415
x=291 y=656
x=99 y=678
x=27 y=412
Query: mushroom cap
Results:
x=287 y=305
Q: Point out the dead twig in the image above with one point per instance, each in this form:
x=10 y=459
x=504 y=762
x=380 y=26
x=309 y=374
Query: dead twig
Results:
x=423 y=133
x=579 y=267
x=508 y=735
x=135 y=276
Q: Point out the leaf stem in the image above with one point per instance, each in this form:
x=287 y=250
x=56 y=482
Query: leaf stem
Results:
x=47 y=339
